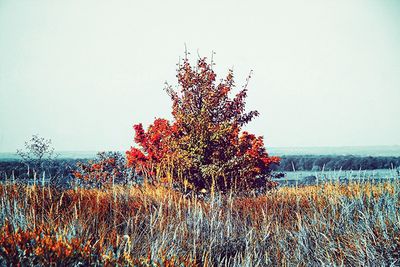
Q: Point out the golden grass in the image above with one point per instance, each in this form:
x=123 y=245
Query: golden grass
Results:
x=148 y=225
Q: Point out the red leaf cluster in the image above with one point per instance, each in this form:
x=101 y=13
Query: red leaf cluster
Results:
x=106 y=168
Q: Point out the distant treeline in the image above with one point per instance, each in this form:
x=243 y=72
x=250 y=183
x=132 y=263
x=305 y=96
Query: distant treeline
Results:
x=318 y=163
x=288 y=163
x=59 y=167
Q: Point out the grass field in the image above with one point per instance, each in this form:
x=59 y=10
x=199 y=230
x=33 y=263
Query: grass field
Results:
x=332 y=224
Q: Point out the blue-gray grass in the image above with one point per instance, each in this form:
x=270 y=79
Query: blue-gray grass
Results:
x=357 y=224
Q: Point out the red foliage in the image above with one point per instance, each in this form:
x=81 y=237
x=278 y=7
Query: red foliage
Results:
x=203 y=147
x=107 y=168
x=17 y=246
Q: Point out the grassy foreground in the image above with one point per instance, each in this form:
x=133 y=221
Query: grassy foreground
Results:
x=331 y=224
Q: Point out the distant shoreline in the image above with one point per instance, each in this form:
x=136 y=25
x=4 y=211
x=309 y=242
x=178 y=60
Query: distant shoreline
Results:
x=375 y=151
x=336 y=151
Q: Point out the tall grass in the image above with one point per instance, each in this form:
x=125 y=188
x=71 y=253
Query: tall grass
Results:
x=332 y=224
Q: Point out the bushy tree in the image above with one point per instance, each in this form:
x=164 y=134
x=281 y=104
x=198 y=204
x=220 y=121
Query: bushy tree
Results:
x=204 y=146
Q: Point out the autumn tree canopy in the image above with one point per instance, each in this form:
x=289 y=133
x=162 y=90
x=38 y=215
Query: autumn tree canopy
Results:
x=203 y=147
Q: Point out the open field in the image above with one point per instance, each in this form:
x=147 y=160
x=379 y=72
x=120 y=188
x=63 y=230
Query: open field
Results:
x=332 y=224
x=207 y=133
x=344 y=169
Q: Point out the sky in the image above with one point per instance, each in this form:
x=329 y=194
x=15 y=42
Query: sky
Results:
x=325 y=73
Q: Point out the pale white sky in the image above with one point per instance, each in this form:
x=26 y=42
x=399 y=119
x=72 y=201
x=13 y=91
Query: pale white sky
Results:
x=326 y=73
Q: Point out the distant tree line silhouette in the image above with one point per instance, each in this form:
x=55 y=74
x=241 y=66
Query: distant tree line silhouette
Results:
x=318 y=163
x=65 y=167
x=13 y=168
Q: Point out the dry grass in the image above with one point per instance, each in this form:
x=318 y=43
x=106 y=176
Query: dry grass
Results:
x=331 y=224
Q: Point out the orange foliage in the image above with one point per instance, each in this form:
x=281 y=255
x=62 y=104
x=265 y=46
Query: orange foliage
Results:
x=43 y=244
x=107 y=168
x=203 y=147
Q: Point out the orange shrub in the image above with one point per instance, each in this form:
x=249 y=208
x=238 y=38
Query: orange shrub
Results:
x=107 y=168
x=18 y=246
